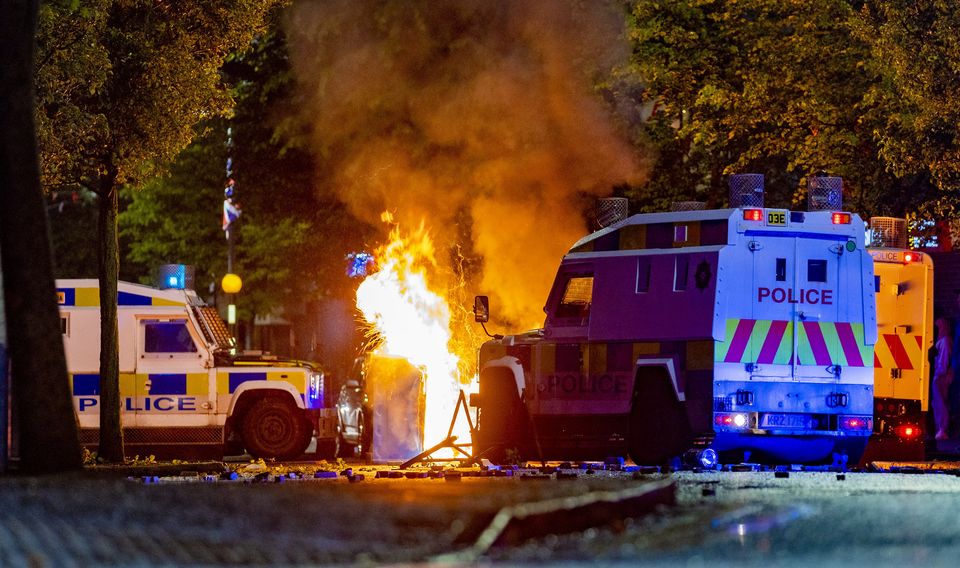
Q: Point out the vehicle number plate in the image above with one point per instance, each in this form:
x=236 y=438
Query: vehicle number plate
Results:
x=777 y=217
x=803 y=421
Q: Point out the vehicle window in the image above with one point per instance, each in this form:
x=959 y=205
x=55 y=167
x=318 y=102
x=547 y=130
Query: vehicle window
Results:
x=680 y=233
x=577 y=297
x=681 y=268
x=643 y=274
x=781 y=270
x=64 y=325
x=816 y=270
x=167 y=337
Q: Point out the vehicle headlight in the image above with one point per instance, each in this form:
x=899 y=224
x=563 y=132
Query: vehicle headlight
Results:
x=315 y=393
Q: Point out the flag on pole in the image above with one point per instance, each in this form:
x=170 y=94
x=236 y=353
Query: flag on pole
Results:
x=231 y=212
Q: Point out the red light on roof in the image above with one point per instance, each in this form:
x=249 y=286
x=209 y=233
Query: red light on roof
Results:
x=840 y=218
x=911 y=256
x=753 y=214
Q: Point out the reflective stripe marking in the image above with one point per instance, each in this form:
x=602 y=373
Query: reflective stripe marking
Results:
x=817 y=344
x=849 y=344
x=900 y=357
x=740 y=340
x=771 y=344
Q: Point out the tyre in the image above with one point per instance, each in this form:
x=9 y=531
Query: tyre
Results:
x=273 y=429
x=659 y=428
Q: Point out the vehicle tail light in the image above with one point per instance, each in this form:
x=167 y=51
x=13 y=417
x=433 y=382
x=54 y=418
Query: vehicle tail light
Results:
x=856 y=423
x=753 y=214
x=731 y=420
x=840 y=218
x=907 y=431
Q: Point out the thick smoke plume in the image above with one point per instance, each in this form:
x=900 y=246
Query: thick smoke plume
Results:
x=480 y=117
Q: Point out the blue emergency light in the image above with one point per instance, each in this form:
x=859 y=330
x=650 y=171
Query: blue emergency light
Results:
x=359 y=264
x=176 y=277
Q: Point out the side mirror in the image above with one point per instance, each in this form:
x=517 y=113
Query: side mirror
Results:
x=481 y=309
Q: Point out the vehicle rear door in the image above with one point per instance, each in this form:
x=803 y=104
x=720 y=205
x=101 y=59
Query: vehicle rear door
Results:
x=774 y=275
x=821 y=265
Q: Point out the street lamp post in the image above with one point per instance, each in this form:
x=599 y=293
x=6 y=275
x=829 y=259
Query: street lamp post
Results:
x=231 y=212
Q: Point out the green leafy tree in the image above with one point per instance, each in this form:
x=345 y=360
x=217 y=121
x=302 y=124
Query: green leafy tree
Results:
x=291 y=243
x=778 y=88
x=176 y=218
x=121 y=85
x=915 y=96
x=916 y=63
x=49 y=440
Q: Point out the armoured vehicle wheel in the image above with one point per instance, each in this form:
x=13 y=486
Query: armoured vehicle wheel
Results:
x=659 y=428
x=271 y=429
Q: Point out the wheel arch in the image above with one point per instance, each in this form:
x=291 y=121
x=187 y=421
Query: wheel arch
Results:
x=248 y=393
x=511 y=364
x=665 y=364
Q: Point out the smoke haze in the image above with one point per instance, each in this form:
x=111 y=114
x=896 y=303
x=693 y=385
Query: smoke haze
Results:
x=482 y=113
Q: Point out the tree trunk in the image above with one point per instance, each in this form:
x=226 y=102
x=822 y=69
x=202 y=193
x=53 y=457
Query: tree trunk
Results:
x=111 y=430
x=49 y=440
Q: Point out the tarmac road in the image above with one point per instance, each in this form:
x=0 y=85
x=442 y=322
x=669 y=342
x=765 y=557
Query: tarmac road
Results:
x=85 y=520
x=720 y=518
x=757 y=519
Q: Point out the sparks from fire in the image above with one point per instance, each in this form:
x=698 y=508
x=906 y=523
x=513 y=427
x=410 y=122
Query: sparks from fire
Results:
x=413 y=322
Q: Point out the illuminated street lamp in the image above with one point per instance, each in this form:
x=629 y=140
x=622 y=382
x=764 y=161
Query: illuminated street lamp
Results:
x=231 y=284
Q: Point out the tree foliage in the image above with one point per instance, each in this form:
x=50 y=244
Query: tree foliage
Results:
x=290 y=243
x=121 y=85
x=789 y=88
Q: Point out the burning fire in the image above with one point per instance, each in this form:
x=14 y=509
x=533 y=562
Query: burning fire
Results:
x=414 y=322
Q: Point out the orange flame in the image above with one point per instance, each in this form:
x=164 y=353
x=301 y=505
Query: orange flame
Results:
x=414 y=322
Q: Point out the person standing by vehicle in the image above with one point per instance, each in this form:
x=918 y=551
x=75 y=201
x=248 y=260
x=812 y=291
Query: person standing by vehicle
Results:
x=942 y=377
x=955 y=363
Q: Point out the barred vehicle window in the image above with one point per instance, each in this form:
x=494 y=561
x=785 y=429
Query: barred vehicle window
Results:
x=816 y=270
x=167 y=337
x=577 y=297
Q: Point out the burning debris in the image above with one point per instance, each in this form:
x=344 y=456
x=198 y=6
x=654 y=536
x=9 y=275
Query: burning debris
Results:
x=413 y=322
x=481 y=125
